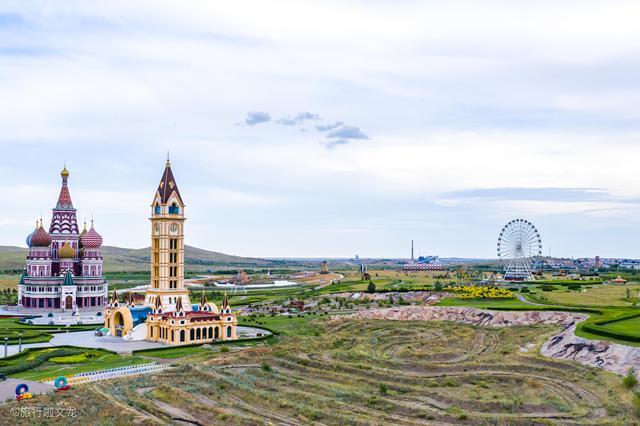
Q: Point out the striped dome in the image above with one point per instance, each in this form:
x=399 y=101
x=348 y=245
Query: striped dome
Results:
x=40 y=238
x=91 y=239
x=28 y=240
x=66 y=251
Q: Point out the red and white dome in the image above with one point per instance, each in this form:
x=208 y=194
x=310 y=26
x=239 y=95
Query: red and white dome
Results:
x=40 y=238
x=91 y=239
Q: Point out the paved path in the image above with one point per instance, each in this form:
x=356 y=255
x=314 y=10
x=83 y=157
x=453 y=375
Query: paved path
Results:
x=87 y=339
x=8 y=388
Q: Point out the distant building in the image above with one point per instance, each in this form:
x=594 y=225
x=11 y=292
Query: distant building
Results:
x=424 y=263
x=598 y=262
x=324 y=269
x=64 y=266
x=241 y=278
x=619 y=280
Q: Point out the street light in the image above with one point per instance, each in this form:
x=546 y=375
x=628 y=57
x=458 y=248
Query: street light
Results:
x=6 y=342
x=19 y=342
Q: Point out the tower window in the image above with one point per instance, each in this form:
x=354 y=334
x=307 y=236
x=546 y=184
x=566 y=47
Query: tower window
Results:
x=174 y=209
x=157 y=209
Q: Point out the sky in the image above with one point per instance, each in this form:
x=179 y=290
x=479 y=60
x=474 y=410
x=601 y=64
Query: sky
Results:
x=327 y=129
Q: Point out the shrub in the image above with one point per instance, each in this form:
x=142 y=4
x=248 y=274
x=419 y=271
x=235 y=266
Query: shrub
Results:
x=266 y=367
x=548 y=287
x=630 y=380
x=383 y=389
x=371 y=288
x=224 y=349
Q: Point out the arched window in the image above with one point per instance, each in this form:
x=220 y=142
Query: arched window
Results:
x=182 y=335
x=210 y=332
x=191 y=334
x=198 y=334
x=172 y=335
x=174 y=209
x=156 y=209
x=229 y=332
x=216 y=332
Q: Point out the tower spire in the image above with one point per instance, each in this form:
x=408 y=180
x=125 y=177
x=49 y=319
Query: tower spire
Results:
x=64 y=199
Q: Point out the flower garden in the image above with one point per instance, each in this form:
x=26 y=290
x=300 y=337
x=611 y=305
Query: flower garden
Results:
x=472 y=292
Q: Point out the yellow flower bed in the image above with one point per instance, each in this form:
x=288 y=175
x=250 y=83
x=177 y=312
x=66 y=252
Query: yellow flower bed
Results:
x=470 y=292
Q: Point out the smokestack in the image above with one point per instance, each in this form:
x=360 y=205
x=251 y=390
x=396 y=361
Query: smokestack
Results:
x=412 y=258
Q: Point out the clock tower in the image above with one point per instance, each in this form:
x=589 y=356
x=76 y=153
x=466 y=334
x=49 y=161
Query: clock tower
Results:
x=167 y=247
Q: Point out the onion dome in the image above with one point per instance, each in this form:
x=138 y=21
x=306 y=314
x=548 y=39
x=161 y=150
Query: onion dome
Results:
x=91 y=239
x=64 y=173
x=84 y=231
x=30 y=236
x=66 y=251
x=40 y=238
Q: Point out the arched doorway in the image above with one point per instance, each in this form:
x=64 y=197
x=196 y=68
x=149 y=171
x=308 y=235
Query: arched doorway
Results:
x=216 y=334
x=118 y=322
x=228 y=332
x=68 y=302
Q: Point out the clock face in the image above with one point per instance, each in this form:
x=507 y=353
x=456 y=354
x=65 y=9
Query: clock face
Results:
x=157 y=228
x=174 y=227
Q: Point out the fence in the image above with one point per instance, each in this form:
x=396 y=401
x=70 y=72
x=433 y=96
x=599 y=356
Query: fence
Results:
x=113 y=373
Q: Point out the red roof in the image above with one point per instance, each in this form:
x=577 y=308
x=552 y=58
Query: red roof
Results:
x=64 y=199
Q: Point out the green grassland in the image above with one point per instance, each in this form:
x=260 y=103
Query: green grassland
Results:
x=45 y=363
x=362 y=372
x=11 y=328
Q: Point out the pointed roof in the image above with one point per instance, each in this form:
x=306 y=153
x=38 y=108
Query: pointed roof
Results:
x=129 y=299
x=225 y=301
x=179 y=307
x=203 y=299
x=64 y=199
x=158 y=303
x=114 y=296
x=68 y=278
x=168 y=186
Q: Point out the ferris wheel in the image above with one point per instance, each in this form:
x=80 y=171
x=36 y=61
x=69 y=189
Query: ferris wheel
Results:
x=519 y=244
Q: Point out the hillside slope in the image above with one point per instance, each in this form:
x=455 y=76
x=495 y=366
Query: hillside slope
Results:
x=126 y=259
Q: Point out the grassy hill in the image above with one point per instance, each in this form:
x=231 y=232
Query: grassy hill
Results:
x=126 y=259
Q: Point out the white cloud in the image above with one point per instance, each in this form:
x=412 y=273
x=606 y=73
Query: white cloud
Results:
x=452 y=97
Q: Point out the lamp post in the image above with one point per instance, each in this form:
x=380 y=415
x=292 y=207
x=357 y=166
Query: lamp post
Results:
x=6 y=342
x=19 y=342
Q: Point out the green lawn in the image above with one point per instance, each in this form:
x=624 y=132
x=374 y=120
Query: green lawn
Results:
x=293 y=325
x=103 y=362
x=630 y=326
x=10 y=327
x=44 y=363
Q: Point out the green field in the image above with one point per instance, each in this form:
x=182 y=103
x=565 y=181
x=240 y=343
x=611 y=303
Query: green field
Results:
x=45 y=363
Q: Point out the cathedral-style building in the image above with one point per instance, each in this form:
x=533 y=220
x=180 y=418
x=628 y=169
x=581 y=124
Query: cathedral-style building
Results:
x=167 y=312
x=64 y=266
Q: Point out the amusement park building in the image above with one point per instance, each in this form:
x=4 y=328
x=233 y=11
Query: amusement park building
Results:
x=167 y=313
x=64 y=266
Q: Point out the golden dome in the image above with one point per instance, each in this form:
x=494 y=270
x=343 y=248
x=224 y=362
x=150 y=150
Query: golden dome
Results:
x=64 y=173
x=66 y=251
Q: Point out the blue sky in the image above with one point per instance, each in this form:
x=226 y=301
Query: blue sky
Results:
x=328 y=128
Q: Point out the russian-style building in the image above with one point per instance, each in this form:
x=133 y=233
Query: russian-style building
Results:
x=64 y=266
x=167 y=313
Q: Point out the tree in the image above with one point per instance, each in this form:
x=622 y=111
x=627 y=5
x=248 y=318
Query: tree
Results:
x=371 y=288
x=437 y=286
